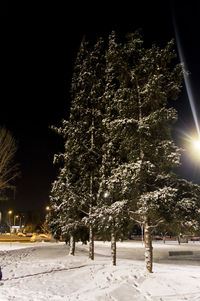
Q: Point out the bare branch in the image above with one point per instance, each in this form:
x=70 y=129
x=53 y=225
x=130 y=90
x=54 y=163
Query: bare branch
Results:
x=158 y=222
x=84 y=212
x=8 y=170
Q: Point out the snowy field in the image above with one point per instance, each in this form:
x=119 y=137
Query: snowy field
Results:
x=44 y=271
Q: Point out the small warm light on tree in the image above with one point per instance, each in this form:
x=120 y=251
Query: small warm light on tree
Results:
x=106 y=194
x=10 y=212
x=47 y=208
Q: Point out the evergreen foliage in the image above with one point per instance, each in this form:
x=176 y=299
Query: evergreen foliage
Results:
x=139 y=154
x=185 y=215
x=74 y=192
x=119 y=153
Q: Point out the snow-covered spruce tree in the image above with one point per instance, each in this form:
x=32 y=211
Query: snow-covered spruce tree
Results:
x=112 y=210
x=141 y=127
x=154 y=80
x=186 y=214
x=65 y=219
x=183 y=217
x=87 y=108
x=83 y=141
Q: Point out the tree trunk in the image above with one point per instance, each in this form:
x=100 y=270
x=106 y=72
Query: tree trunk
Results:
x=91 y=233
x=139 y=119
x=113 y=247
x=148 y=247
x=91 y=243
x=72 y=245
x=164 y=237
x=147 y=233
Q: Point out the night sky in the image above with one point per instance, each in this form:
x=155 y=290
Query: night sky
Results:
x=38 y=50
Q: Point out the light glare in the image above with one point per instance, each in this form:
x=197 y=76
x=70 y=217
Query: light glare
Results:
x=187 y=81
x=192 y=145
x=195 y=148
x=197 y=144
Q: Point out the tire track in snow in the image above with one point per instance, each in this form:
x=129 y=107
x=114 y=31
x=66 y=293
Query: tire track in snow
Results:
x=45 y=272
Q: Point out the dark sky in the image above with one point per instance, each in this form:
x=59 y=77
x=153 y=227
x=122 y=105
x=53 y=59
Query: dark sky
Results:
x=38 y=49
x=3 y=9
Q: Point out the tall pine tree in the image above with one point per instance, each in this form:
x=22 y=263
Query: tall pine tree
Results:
x=83 y=141
x=139 y=126
x=112 y=209
x=65 y=218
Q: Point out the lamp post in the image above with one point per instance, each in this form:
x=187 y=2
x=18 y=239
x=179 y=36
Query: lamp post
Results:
x=47 y=217
x=47 y=212
x=9 y=221
x=15 y=217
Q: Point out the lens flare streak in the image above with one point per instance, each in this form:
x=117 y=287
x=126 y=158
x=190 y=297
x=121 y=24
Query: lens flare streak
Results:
x=187 y=81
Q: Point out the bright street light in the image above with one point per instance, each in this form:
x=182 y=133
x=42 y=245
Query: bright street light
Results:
x=196 y=144
x=195 y=148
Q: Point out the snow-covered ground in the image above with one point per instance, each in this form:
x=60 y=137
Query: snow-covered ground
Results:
x=44 y=271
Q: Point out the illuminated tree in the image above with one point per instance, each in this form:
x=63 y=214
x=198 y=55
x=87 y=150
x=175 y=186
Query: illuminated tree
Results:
x=111 y=213
x=76 y=188
x=185 y=216
x=64 y=219
x=87 y=114
x=119 y=153
x=139 y=153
